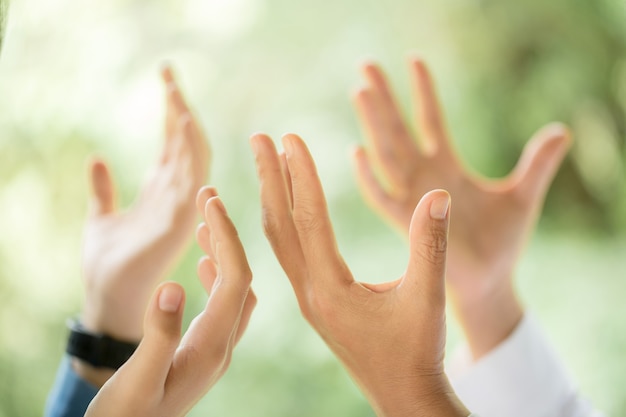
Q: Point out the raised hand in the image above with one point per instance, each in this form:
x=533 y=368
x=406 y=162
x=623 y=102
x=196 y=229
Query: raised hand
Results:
x=126 y=253
x=166 y=376
x=390 y=337
x=492 y=218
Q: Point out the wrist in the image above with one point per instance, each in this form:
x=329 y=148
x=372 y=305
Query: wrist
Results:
x=114 y=322
x=94 y=376
x=95 y=356
x=490 y=319
x=436 y=398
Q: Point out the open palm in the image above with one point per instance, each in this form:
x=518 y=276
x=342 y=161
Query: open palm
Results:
x=492 y=218
x=126 y=253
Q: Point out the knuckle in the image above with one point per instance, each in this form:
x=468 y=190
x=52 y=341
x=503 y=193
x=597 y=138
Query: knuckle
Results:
x=435 y=247
x=273 y=226
x=246 y=276
x=320 y=307
x=306 y=221
x=252 y=299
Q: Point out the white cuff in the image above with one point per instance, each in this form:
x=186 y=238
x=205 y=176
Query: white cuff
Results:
x=522 y=377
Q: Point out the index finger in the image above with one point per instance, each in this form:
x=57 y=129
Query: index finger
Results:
x=276 y=205
x=212 y=331
x=310 y=215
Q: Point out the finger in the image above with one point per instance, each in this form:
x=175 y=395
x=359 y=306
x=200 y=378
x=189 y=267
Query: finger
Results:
x=172 y=112
x=248 y=308
x=207 y=273
x=277 y=220
x=203 y=237
x=540 y=162
x=176 y=98
x=428 y=238
x=102 y=188
x=430 y=119
x=181 y=125
x=198 y=146
x=394 y=163
x=181 y=148
x=370 y=186
x=285 y=170
x=181 y=107
x=229 y=252
x=213 y=331
x=396 y=130
x=152 y=361
x=203 y=196
x=310 y=215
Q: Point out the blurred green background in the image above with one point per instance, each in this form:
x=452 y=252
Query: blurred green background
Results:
x=78 y=78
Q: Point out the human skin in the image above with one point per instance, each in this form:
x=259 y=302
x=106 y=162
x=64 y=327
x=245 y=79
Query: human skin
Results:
x=390 y=337
x=166 y=376
x=493 y=217
x=126 y=253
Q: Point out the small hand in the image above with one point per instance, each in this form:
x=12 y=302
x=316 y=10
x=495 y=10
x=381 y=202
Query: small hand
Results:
x=493 y=218
x=390 y=337
x=166 y=376
x=126 y=253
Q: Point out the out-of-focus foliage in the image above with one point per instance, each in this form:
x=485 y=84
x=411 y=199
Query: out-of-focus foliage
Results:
x=81 y=77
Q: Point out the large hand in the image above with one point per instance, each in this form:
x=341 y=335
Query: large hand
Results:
x=126 y=253
x=390 y=337
x=167 y=376
x=493 y=218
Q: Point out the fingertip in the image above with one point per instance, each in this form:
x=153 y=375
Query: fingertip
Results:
x=167 y=73
x=369 y=68
x=207 y=273
x=290 y=141
x=171 y=297
x=213 y=206
x=415 y=58
x=201 y=231
x=202 y=263
x=559 y=132
x=439 y=204
x=205 y=192
x=417 y=62
x=97 y=167
x=258 y=140
x=362 y=94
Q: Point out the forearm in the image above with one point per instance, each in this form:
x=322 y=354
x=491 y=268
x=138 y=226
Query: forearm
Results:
x=70 y=395
x=488 y=320
x=94 y=376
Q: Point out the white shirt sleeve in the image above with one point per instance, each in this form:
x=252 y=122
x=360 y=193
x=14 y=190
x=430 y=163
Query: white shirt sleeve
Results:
x=522 y=377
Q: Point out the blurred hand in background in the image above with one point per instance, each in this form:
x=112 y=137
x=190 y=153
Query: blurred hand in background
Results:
x=126 y=253
x=166 y=376
x=493 y=218
x=391 y=336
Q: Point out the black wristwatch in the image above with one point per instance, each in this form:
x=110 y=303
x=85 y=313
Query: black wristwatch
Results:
x=98 y=350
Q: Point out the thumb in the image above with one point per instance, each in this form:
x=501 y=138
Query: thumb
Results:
x=102 y=188
x=152 y=361
x=428 y=235
x=540 y=161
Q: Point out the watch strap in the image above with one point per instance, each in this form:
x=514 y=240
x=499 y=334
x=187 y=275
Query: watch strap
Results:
x=98 y=350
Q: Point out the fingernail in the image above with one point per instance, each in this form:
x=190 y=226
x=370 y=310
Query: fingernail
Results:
x=439 y=208
x=170 y=299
